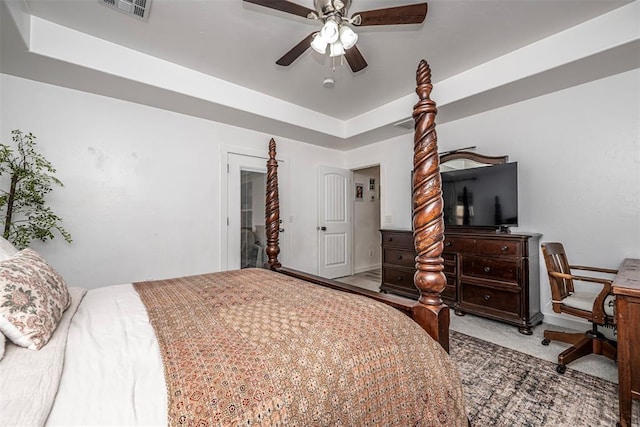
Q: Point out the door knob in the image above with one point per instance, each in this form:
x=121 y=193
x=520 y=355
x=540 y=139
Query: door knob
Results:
x=323 y=228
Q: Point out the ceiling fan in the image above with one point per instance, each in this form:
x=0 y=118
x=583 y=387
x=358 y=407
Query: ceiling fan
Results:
x=336 y=33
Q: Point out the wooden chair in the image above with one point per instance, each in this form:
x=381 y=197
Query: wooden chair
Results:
x=596 y=307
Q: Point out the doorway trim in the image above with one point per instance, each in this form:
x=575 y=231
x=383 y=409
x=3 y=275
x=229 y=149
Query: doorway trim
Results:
x=283 y=190
x=353 y=169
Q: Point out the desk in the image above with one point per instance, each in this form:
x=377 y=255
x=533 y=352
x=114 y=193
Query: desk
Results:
x=626 y=288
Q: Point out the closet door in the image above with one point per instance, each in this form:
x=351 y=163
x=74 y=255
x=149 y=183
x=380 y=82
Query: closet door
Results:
x=335 y=230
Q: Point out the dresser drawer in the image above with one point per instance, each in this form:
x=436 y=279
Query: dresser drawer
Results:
x=398 y=239
x=449 y=263
x=457 y=244
x=449 y=292
x=504 y=270
x=495 y=247
x=451 y=280
x=399 y=257
x=449 y=269
x=399 y=277
x=498 y=299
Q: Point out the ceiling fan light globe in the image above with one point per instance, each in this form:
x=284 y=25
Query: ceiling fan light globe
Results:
x=347 y=37
x=336 y=49
x=318 y=44
x=330 y=31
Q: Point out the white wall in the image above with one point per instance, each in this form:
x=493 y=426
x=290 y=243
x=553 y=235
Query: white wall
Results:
x=395 y=157
x=142 y=189
x=578 y=153
x=142 y=185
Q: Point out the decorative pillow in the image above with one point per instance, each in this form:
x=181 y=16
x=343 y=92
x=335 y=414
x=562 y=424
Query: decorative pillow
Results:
x=32 y=298
x=2 y=339
x=6 y=249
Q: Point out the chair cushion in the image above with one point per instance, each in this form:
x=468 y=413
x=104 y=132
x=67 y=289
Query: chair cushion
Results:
x=584 y=301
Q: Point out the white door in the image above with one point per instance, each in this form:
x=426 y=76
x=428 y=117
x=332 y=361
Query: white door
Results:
x=335 y=203
x=246 y=193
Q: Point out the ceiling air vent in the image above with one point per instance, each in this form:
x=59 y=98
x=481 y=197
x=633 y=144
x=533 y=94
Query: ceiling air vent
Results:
x=406 y=123
x=136 y=8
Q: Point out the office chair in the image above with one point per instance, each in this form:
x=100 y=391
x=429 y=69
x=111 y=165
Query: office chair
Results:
x=596 y=307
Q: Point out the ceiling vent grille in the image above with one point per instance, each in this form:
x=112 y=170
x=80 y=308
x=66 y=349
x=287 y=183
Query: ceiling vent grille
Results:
x=406 y=124
x=136 y=8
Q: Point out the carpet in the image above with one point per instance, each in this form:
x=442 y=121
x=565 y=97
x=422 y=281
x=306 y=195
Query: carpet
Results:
x=504 y=387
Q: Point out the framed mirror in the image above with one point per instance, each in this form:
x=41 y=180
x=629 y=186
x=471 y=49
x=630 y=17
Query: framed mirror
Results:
x=466 y=159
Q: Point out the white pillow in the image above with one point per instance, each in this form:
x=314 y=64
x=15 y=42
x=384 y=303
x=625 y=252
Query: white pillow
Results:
x=33 y=297
x=2 y=340
x=6 y=249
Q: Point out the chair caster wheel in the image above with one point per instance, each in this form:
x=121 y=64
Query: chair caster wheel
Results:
x=546 y=341
x=561 y=369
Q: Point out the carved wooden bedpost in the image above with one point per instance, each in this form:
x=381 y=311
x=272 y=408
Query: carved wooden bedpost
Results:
x=428 y=224
x=272 y=210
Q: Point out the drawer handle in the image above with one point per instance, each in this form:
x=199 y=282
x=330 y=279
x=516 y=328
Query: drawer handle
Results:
x=399 y=256
x=487 y=297
x=487 y=269
x=399 y=278
x=504 y=248
x=447 y=244
x=389 y=239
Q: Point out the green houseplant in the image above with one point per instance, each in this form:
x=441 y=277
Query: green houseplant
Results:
x=27 y=177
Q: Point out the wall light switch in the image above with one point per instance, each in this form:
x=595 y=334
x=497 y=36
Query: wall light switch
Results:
x=388 y=219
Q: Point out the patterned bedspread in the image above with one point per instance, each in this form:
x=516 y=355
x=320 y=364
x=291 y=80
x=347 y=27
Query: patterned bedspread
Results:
x=254 y=347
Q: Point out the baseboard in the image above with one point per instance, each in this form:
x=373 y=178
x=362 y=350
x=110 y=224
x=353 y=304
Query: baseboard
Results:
x=358 y=270
x=564 y=321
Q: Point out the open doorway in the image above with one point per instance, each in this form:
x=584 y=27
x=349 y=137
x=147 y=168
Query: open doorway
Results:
x=367 y=258
x=245 y=229
x=253 y=239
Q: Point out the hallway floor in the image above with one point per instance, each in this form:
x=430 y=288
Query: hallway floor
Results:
x=369 y=279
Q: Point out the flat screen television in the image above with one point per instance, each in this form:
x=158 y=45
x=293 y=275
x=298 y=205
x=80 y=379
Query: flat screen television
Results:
x=485 y=196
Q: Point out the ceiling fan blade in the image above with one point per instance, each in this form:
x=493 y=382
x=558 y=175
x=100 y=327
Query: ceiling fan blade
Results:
x=355 y=59
x=296 y=51
x=409 y=14
x=284 y=6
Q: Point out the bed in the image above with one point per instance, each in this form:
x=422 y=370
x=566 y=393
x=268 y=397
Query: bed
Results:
x=247 y=347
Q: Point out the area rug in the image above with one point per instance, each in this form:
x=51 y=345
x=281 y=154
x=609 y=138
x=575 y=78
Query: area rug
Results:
x=504 y=387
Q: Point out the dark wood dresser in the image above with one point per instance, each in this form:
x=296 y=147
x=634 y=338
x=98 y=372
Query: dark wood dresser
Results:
x=494 y=275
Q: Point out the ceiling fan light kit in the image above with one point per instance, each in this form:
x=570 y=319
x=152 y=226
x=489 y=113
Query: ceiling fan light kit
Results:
x=339 y=37
x=330 y=31
x=348 y=38
x=336 y=50
x=319 y=44
x=335 y=32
